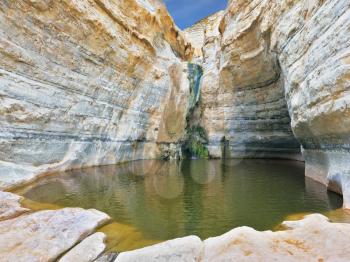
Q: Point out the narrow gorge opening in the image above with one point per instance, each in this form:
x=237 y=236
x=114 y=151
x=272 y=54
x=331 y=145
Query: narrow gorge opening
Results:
x=186 y=14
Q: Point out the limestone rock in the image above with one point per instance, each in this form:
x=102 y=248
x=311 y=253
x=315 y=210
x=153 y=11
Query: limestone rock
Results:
x=243 y=102
x=45 y=235
x=97 y=82
x=10 y=206
x=110 y=257
x=86 y=83
x=86 y=251
x=310 y=239
x=181 y=249
x=313 y=238
x=275 y=70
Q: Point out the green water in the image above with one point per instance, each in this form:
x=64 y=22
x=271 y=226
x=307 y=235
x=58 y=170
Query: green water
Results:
x=163 y=200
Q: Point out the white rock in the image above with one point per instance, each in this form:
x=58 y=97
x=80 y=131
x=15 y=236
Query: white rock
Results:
x=86 y=83
x=86 y=251
x=45 y=235
x=185 y=249
x=310 y=239
x=10 y=206
x=313 y=238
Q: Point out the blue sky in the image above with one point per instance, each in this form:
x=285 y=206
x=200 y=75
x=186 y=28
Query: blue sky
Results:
x=188 y=12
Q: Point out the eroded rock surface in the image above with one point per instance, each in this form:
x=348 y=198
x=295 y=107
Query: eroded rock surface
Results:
x=10 y=206
x=310 y=239
x=86 y=83
x=243 y=105
x=45 y=235
x=86 y=251
x=275 y=70
x=96 y=82
x=182 y=249
x=313 y=238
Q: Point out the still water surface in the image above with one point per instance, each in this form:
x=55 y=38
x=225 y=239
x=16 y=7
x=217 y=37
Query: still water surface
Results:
x=152 y=201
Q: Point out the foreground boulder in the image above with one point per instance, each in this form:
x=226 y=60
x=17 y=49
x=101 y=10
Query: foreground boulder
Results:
x=181 y=249
x=88 y=250
x=10 y=206
x=310 y=239
x=313 y=238
x=45 y=235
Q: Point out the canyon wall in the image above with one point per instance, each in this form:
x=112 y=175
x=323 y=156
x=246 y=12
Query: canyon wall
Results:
x=88 y=82
x=271 y=63
x=243 y=106
x=96 y=82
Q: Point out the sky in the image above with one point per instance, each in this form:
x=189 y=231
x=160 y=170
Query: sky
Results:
x=187 y=12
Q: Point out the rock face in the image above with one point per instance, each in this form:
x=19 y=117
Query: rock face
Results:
x=86 y=83
x=97 y=82
x=310 y=239
x=45 y=235
x=243 y=105
x=273 y=67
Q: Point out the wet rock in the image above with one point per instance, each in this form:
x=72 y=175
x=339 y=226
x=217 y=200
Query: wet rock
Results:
x=86 y=251
x=10 y=206
x=45 y=235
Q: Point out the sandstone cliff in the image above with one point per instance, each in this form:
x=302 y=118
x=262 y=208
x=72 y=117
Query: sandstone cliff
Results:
x=271 y=63
x=88 y=82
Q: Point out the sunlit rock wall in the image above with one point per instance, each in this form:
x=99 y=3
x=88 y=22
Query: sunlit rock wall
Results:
x=87 y=82
x=312 y=40
x=243 y=104
x=280 y=66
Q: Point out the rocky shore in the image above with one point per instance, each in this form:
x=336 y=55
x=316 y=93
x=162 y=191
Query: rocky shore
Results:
x=69 y=235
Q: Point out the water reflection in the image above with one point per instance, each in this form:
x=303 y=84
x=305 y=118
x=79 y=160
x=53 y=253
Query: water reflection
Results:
x=163 y=200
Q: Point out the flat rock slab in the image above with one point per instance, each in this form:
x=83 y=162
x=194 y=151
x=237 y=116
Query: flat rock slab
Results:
x=86 y=251
x=10 y=206
x=12 y=175
x=181 y=249
x=45 y=235
x=313 y=238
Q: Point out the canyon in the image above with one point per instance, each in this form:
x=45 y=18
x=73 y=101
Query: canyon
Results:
x=99 y=82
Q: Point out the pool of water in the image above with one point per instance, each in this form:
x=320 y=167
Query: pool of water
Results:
x=153 y=201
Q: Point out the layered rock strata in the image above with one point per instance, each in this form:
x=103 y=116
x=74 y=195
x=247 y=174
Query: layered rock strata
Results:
x=278 y=69
x=86 y=83
x=98 y=82
x=243 y=104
